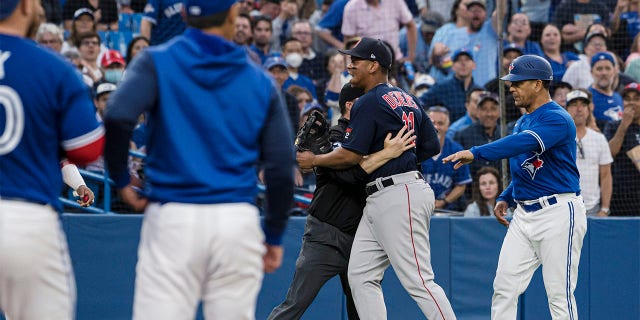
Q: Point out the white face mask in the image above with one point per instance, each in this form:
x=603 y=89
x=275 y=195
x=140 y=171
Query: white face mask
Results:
x=294 y=59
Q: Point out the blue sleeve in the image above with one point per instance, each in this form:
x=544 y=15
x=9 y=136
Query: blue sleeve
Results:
x=506 y=147
x=278 y=160
x=333 y=17
x=152 y=11
x=136 y=94
x=507 y=196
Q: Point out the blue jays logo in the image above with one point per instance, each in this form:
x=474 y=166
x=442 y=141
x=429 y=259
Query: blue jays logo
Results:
x=532 y=165
x=510 y=67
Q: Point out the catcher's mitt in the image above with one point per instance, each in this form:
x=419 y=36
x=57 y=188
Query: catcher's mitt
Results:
x=314 y=134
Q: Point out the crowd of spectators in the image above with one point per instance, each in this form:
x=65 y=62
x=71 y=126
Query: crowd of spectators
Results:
x=445 y=52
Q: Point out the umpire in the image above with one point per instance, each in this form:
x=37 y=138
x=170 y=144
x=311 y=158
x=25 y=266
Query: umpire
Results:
x=334 y=216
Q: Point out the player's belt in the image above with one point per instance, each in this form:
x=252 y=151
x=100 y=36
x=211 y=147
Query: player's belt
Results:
x=381 y=183
x=542 y=202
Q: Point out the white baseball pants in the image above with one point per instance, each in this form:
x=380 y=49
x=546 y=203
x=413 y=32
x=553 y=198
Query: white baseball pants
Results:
x=192 y=252
x=551 y=237
x=36 y=277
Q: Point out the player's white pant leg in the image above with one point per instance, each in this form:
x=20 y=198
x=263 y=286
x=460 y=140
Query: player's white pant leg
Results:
x=403 y=230
x=177 y=252
x=516 y=266
x=236 y=267
x=367 y=264
x=36 y=278
x=564 y=227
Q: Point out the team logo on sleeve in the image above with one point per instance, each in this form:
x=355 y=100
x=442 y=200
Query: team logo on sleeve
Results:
x=347 y=133
x=532 y=165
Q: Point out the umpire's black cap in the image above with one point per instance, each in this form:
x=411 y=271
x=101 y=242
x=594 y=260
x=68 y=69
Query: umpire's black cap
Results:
x=348 y=93
x=372 y=50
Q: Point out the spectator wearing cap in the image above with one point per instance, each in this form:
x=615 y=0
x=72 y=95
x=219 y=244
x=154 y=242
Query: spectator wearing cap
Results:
x=381 y=20
x=480 y=37
x=573 y=17
x=578 y=73
x=559 y=91
x=277 y=67
x=448 y=184
x=427 y=26
x=262 y=31
x=292 y=53
x=607 y=103
x=83 y=21
x=593 y=156
x=510 y=51
x=113 y=66
x=422 y=84
x=451 y=93
x=471 y=116
x=518 y=33
x=162 y=20
x=103 y=90
x=439 y=53
x=105 y=13
x=551 y=42
x=486 y=130
x=51 y=36
x=624 y=142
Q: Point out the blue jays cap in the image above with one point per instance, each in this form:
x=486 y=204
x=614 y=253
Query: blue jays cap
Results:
x=372 y=50
x=603 y=56
x=206 y=7
x=529 y=67
x=7 y=7
x=275 y=61
x=83 y=11
x=512 y=47
x=461 y=51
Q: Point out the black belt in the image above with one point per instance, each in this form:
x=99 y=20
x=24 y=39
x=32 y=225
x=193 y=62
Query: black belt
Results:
x=539 y=204
x=389 y=181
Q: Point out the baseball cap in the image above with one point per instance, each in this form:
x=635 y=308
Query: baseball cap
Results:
x=423 y=81
x=105 y=87
x=488 y=96
x=349 y=93
x=81 y=12
x=633 y=86
x=512 y=47
x=206 y=7
x=372 y=50
x=477 y=2
x=529 y=67
x=7 y=7
x=431 y=21
x=275 y=61
x=461 y=51
x=314 y=105
x=592 y=35
x=576 y=95
x=111 y=57
x=603 y=56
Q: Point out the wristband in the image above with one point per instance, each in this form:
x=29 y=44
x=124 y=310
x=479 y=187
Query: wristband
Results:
x=605 y=210
x=72 y=177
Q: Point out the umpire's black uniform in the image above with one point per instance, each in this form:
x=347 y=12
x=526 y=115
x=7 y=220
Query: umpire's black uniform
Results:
x=334 y=216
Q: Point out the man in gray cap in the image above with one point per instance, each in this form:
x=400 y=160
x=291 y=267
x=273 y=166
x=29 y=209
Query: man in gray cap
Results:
x=549 y=222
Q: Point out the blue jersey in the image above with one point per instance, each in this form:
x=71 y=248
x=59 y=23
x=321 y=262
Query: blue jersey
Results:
x=441 y=176
x=606 y=108
x=542 y=152
x=213 y=116
x=166 y=17
x=44 y=107
x=385 y=109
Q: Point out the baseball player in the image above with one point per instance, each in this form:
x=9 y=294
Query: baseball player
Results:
x=213 y=118
x=43 y=113
x=162 y=20
x=394 y=228
x=549 y=222
x=334 y=215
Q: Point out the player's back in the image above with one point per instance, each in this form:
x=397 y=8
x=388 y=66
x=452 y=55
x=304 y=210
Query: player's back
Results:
x=43 y=110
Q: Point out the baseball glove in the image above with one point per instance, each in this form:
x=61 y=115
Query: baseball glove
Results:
x=314 y=134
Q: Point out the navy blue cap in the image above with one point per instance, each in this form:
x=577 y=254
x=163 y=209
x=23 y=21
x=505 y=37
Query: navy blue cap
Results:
x=7 y=7
x=461 y=51
x=206 y=7
x=349 y=93
x=372 y=50
x=275 y=61
x=529 y=67
x=603 y=56
x=83 y=11
x=512 y=47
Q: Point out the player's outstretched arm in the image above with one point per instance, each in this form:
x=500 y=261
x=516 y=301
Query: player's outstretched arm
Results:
x=393 y=148
x=500 y=211
x=459 y=158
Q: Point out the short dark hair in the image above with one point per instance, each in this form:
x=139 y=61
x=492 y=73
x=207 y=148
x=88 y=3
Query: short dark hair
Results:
x=475 y=89
x=86 y=35
x=546 y=84
x=204 y=22
x=257 y=19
